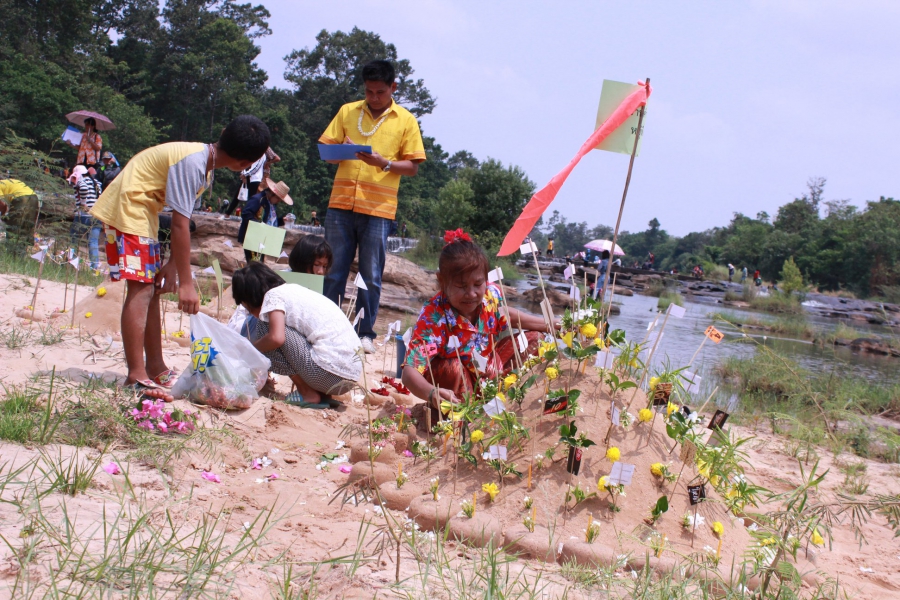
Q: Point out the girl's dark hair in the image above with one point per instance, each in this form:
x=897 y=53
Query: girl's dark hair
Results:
x=250 y=284
x=306 y=251
x=459 y=258
x=90 y=121
x=245 y=138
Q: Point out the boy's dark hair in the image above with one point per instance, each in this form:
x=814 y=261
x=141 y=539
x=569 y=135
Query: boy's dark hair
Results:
x=306 y=251
x=250 y=284
x=245 y=138
x=379 y=70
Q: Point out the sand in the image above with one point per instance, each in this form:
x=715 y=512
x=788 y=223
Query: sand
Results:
x=314 y=525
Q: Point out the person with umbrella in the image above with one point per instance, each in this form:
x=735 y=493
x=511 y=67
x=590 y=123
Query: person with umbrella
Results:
x=91 y=143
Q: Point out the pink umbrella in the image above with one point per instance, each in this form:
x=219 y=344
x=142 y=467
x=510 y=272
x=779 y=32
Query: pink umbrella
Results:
x=601 y=245
x=79 y=116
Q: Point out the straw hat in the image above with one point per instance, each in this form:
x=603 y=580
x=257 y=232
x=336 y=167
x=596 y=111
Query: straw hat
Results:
x=281 y=190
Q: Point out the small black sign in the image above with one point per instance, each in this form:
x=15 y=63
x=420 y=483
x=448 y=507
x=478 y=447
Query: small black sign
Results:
x=696 y=493
x=574 y=463
x=661 y=394
x=718 y=420
x=555 y=405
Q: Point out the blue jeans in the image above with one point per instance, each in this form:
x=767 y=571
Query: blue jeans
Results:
x=346 y=231
x=80 y=225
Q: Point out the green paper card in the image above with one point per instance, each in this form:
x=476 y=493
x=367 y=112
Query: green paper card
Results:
x=219 y=280
x=315 y=283
x=622 y=139
x=264 y=239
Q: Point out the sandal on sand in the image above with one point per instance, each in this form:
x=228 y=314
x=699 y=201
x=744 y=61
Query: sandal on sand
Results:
x=331 y=402
x=140 y=388
x=296 y=399
x=166 y=379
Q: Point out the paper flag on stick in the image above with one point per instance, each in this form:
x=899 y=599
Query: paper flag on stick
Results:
x=523 y=341
x=209 y=270
x=604 y=359
x=621 y=473
x=575 y=292
x=264 y=239
x=480 y=361
x=527 y=248
x=220 y=281
x=228 y=243
x=75 y=262
x=284 y=254
x=495 y=275
x=360 y=282
x=542 y=199
x=397 y=325
x=547 y=311
x=407 y=336
x=676 y=311
x=452 y=342
x=38 y=256
x=568 y=272
x=359 y=315
x=497 y=452
x=614 y=414
x=494 y=407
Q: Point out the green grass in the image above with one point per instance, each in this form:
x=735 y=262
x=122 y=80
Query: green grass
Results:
x=813 y=407
x=794 y=326
x=17 y=261
x=667 y=298
x=776 y=302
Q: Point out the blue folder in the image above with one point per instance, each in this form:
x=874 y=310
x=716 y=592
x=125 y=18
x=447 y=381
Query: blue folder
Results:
x=341 y=151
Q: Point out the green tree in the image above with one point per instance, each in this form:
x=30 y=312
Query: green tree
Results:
x=500 y=193
x=791 y=278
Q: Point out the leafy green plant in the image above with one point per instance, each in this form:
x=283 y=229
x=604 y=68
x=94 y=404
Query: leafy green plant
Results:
x=570 y=437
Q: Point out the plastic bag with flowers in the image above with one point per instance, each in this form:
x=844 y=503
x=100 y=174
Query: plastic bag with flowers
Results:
x=225 y=371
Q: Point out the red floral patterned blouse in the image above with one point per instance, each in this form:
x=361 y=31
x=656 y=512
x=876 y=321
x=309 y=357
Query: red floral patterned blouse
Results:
x=438 y=321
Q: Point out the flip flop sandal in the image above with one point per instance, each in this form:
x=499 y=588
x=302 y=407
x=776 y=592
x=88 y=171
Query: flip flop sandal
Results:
x=295 y=399
x=140 y=388
x=166 y=379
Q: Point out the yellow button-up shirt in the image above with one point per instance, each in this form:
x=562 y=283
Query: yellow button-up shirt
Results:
x=363 y=188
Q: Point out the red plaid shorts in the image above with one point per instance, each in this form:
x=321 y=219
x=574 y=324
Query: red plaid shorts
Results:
x=132 y=257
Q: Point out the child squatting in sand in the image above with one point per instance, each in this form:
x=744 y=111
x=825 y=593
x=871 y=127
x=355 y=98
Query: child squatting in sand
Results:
x=303 y=333
x=467 y=307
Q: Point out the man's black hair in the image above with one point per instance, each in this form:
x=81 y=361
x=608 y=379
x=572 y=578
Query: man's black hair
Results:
x=250 y=284
x=306 y=251
x=379 y=70
x=245 y=138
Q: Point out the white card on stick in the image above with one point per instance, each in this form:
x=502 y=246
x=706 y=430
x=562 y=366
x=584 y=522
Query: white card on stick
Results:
x=407 y=336
x=569 y=272
x=621 y=474
x=528 y=248
x=523 y=341
x=494 y=408
x=359 y=315
x=497 y=452
x=452 y=342
x=604 y=359
x=495 y=275
x=480 y=361
x=575 y=292
x=676 y=311
x=360 y=282
x=614 y=414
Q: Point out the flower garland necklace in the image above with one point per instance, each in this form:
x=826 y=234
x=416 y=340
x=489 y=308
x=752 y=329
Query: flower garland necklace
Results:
x=377 y=125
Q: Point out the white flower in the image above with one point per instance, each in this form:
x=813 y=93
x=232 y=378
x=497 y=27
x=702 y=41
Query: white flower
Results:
x=753 y=527
x=709 y=549
x=340 y=444
x=693 y=418
x=378 y=510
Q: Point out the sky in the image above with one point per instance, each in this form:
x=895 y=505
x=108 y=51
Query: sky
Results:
x=750 y=99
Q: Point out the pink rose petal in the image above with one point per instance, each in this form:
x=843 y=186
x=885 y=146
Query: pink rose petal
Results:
x=210 y=477
x=112 y=468
x=407 y=453
x=346 y=468
x=273 y=476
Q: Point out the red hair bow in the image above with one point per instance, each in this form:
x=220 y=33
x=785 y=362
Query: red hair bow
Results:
x=454 y=236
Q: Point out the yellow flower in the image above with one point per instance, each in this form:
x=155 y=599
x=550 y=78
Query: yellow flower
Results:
x=718 y=528
x=599 y=343
x=567 y=338
x=501 y=396
x=179 y=334
x=672 y=407
x=817 y=539
x=477 y=436
x=490 y=489
x=703 y=468
x=732 y=493
x=645 y=415
x=656 y=469
x=88 y=315
x=653 y=382
x=613 y=454
x=510 y=380
x=714 y=480
x=551 y=373
x=589 y=330
x=101 y=291
x=541 y=350
x=445 y=407
x=601 y=483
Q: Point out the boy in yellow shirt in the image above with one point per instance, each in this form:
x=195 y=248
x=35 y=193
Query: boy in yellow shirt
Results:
x=172 y=175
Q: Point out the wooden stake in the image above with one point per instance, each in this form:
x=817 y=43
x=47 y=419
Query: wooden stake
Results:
x=74 y=293
x=697 y=352
x=474 y=503
x=66 y=293
x=529 y=472
x=38 y=284
x=637 y=137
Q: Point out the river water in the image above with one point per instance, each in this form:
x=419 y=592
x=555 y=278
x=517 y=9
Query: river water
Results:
x=683 y=337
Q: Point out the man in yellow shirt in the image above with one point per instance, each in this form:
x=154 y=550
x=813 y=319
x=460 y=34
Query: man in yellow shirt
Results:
x=364 y=196
x=18 y=207
x=172 y=175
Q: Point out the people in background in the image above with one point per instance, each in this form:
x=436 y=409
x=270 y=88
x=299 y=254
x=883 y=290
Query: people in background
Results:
x=87 y=190
x=730 y=272
x=312 y=255
x=363 y=200
x=314 y=220
x=91 y=145
x=550 y=247
x=111 y=168
x=743 y=274
x=261 y=207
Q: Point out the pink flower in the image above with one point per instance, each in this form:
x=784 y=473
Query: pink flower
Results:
x=345 y=468
x=182 y=426
x=146 y=425
x=162 y=426
x=257 y=464
x=207 y=475
x=112 y=468
x=407 y=454
x=156 y=410
x=273 y=476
